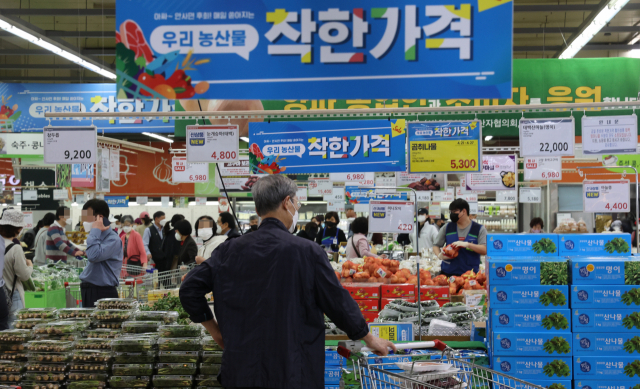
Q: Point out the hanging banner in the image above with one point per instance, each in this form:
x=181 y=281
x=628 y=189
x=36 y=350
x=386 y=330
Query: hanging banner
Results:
x=183 y=171
x=356 y=195
x=18 y=145
x=498 y=173
x=117 y=201
x=215 y=144
x=114 y=168
x=237 y=175
x=391 y=216
x=446 y=195
x=103 y=181
x=547 y=137
x=445 y=147
x=64 y=145
x=283 y=49
x=327 y=146
x=606 y=196
x=530 y=195
x=320 y=187
x=542 y=168
x=610 y=134
x=506 y=196
x=358 y=179
x=82 y=175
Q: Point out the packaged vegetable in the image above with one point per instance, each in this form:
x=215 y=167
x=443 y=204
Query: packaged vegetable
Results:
x=47 y=367
x=167 y=317
x=75 y=313
x=179 y=344
x=106 y=315
x=133 y=345
x=37 y=313
x=49 y=357
x=12 y=347
x=35 y=376
x=13 y=356
x=93 y=344
x=12 y=367
x=111 y=325
x=129 y=381
x=94 y=367
x=86 y=385
x=101 y=333
x=91 y=356
x=136 y=327
x=72 y=337
x=212 y=357
x=180 y=331
x=176 y=368
x=15 y=336
x=40 y=385
x=133 y=369
x=135 y=357
x=27 y=324
x=61 y=327
x=208 y=344
x=210 y=368
x=172 y=381
x=116 y=303
x=49 y=346
x=454 y=307
x=178 y=356
x=84 y=376
x=11 y=377
x=207 y=380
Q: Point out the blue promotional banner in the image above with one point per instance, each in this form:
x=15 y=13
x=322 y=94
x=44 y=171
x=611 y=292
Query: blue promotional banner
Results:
x=288 y=49
x=355 y=195
x=117 y=201
x=327 y=146
x=23 y=107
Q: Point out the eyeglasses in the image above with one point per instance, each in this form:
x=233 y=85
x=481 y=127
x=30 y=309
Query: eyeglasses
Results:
x=296 y=204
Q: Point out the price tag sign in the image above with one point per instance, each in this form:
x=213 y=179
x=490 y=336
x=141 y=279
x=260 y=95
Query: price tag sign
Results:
x=166 y=200
x=301 y=194
x=201 y=201
x=142 y=200
x=336 y=195
x=424 y=196
x=530 y=195
x=547 y=137
x=212 y=143
x=435 y=210
x=60 y=194
x=64 y=145
x=320 y=187
x=391 y=216
x=30 y=195
x=473 y=207
x=469 y=197
x=606 y=196
x=335 y=206
x=542 y=168
x=183 y=171
x=444 y=195
x=28 y=219
x=386 y=181
x=354 y=179
x=608 y=134
x=506 y=196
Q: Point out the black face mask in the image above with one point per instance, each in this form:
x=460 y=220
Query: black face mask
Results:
x=454 y=217
x=253 y=227
x=330 y=224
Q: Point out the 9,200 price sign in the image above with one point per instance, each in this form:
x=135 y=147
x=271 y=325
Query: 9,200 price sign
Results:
x=391 y=216
x=64 y=145
x=606 y=196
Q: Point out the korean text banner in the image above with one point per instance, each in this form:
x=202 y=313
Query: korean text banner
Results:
x=283 y=49
x=327 y=146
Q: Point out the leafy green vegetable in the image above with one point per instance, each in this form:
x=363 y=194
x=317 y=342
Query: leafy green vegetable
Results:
x=554 y=273
x=557 y=386
x=544 y=244
x=632 y=369
x=557 y=344
x=618 y=245
x=558 y=368
x=169 y=303
x=631 y=297
x=632 y=345
x=555 y=320
x=632 y=320
x=553 y=296
x=632 y=273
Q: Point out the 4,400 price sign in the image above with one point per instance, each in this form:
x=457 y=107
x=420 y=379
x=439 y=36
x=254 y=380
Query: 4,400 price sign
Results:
x=68 y=145
x=606 y=196
x=391 y=216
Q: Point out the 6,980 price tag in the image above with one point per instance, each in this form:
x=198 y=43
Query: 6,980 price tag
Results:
x=70 y=145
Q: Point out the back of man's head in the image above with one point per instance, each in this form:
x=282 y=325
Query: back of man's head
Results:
x=269 y=192
x=226 y=217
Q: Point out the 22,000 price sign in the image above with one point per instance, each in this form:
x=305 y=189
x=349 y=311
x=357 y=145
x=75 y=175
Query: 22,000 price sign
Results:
x=606 y=196
x=70 y=145
x=391 y=216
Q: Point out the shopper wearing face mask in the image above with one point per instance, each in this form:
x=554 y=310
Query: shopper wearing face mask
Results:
x=536 y=225
x=152 y=240
x=351 y=216
x=206 y=229
x=331 y=236
x=469 y=236
x=58 y=245
x=281 y=281
x=227 y=225
x=253 y=223
x=188 y=246
x=133 y=249
x=427 y=233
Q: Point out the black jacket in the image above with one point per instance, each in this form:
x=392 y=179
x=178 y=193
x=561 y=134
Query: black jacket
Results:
x=271 y=289
x=331 y=232
x=188 y=251
x=234 y=233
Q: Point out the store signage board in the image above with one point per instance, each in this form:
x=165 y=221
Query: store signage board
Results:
x=30 y=195
x=610 y=134
x=301 y=194
x=352 y=147
x=530 y=195
x=498 y=173
x=335 y=206
x=183 y=171
x=212 y=143
x=355 y=195
x=60 y=194
x=279 y=49
x=114 y=169
x=606 y=196
x=542 y=168
x=117 y=201
x=547 y=137
x=166 y=201
x=435 y=210
x=320 y=186
x=19 y=144
x=103 y=177
x=421 y=182
x=507 y=196
x=63 y=145
x=28 y=220
x=391 y=217
x=446 y=195
x=445 y=147
x=354 y=179
x=236 y=175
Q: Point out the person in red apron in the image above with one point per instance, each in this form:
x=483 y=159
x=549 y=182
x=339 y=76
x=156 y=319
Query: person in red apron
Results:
x=331 y=236
x=468 y=235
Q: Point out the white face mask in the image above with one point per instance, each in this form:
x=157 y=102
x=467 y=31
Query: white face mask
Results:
x=422 y=218
x=295 y=219
x=127 y=229
x=351 y=219
x=205 y=233
x=178 y=236
x=87 y=226
x=163 y=222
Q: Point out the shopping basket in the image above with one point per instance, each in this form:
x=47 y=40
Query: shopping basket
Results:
x=414 y=369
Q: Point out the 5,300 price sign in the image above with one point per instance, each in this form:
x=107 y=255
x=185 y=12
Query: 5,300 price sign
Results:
x=391 y=216
x=606 y=196
x=70 y=145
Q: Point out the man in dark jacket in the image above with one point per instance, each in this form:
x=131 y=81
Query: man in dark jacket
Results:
x=227 y=225
x=152 y=239
x=269 y=305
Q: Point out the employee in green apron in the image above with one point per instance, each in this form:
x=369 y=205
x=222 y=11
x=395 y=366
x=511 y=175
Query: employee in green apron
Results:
x=331 y=236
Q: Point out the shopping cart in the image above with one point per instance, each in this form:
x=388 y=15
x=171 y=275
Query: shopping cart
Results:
x=72 y=294
x=418 y=370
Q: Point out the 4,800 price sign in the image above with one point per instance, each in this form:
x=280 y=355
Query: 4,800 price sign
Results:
x=606 y=196
x=61 y=145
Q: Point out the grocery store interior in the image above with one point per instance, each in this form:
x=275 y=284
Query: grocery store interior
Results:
x=188 y=188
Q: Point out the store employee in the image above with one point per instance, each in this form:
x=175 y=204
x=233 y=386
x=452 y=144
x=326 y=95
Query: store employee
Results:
x=331 y=236
x=468 y=235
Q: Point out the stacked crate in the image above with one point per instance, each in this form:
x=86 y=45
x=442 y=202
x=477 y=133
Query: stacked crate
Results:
x=367 y=296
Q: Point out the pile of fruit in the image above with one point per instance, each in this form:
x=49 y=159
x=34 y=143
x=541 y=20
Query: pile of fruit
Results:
x=468 y=281
x=386 y=271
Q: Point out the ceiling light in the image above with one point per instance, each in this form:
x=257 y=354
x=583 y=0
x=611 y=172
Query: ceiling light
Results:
x=602 y=18
x=22 y=34
x=634 y=40
x=488 y=137
x=158 y=137
x=46 y=45
x=70 y=56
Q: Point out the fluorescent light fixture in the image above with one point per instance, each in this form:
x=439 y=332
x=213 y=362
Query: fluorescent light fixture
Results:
x=46 y=45
x=244 y=138
x=158 y=137
x=634 y=40
x=488 y=137
x=602 y=18
x=70 y=56
x=23 y=34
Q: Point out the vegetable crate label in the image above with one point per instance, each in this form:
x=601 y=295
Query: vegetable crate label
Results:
x=604 y=384
x=523 y=244
x=595 y=244
x=332 y=375
x=531 y=320
x=531 y=344
x=620 y=368
x=605 y=271
x=534 y=367
x=368 y=305
x=363 y=291
x=606 y=320
x=400 y=331
x=610 y=344
x=532 y=271
x=397 y=290
x=434 y=292
x=529 y=296
x=605 y=296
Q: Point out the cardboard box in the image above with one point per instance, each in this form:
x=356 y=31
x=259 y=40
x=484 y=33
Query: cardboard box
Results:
x=530 y=320
x=434 y=292
x=385 y=301
x=394 y=332
x=522 y=244
x=599 y=271
x=535 y=344
x=592 y=245
x=529 y=296
x=604 y=384
x=332 y=375
x=606 y=321
x=558 y=384
x=332 y=358
x=527 y=368
x=369 y=305
x=369 y=317
x=363 y=291
x=605 y=296
x=442 y=302
x=587 y=344
x=604 y=368
x=397 y=290
x=526 y=271
x=475 y=299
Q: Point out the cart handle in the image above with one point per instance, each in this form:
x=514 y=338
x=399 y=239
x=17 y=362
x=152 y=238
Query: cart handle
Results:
x=416 y=345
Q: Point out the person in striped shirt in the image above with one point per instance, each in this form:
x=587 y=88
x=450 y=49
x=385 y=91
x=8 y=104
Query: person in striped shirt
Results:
x=58 y=246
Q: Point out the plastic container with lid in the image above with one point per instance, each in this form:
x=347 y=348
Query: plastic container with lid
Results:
x=16 y=336
x=13 y=356
x=92 y=356
x=90 y=367
x=61 y=327
x=49 y=357
x=167 y=317
x=107 y=315
x=88 y=376
x=172 y=381
x=72 y=337
x=24 y=384
x=132 y=344
x=180 y=331
x=111 y=325
x=212 y=357
x=93 y=344
x=210 y=368
x=49 y=346
x=132 y=369
x=139 y=327
x=101 y=333
x=117 y=303
x=130 y=381
x=179 y=344
x=85 y=385
x=47 y=367
x=208 y=344
x=176 y=368
x=37 y=313
x=75 y=313
x=40 y=376
x=27 y=324
x=133 y=357
x=13 y=346
x=178 y=356
x=12 y=367
x=207 y=380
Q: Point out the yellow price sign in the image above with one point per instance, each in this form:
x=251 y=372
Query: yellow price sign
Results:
x=444 y=156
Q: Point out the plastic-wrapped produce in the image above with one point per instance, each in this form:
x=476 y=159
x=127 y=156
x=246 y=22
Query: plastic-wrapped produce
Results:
x=12 y=367
x=94 y=367
x=210 y=368
x=129 y=381
x=37 y=313
x=47 y=367
x=132 y=344
x=117 y=303
x=75 y=313
x=137 y=327
x=172 y=381
x=61 y=327
x=176 y=368
x=133 y=369
x=137 y=357
x=93 y=344
x=39 y=376
x=49 y=357
x=180 y=331
x=454 y=307
x=92 y=356
x=27 y=324
x=49 y=346
x=208 y=344
x=167 y=317
x=179 y=356
x=15 y=336
x=101 y=333
x=179 y=344
x=106 y=315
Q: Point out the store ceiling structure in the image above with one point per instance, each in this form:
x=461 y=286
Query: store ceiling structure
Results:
x=541 y=30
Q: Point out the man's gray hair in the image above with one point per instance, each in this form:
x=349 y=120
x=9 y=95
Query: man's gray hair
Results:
x=254 y=217
x=270 y=191
x=125 y=218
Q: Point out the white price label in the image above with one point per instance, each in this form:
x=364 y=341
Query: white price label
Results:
x=201 y=201
x=391 y=216
x=363 y=179
x=506 y=196
x=28 y=220
x=335 y=206
x=606 y=196
x=64 y=145
x=473 y=207
x=142 y=200
x=336 y=195
x=542 y=168
x=183 y=171
x=609 y=134
x=435 y=210
x=320 y=187
x=212 y=143
x=469 y=197
x=60 y=194
x=301 y=194
x=444 y=195
x=89 y=195
x=166 y=201
x=30 y=195
x=424 y=196
x=547 y=137
x=114 y=169
x=530 y=195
